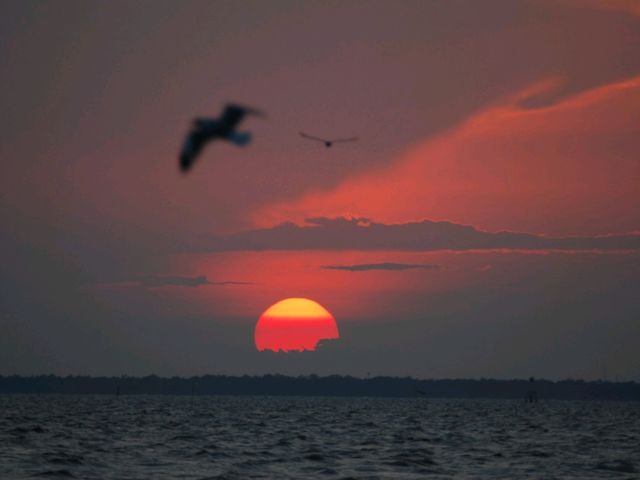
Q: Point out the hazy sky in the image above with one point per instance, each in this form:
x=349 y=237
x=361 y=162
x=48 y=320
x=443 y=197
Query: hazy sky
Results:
x=475 y=118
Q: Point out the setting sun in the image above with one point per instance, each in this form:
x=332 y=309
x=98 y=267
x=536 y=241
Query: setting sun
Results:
x=294 y=324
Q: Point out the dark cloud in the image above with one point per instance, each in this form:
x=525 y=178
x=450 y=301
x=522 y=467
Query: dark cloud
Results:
x=171 y=280
x=363 y=267
x=363 y=234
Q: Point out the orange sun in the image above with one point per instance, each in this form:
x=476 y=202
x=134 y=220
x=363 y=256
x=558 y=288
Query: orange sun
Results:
x=294 y=324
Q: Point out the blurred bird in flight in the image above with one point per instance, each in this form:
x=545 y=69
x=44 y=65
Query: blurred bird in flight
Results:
x=328 y=143
x=204 y=130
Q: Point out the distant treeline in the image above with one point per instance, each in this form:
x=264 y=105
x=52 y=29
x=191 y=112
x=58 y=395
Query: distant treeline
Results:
x=313 y=385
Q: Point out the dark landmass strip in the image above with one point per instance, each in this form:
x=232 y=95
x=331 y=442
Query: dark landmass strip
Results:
x=313 y=385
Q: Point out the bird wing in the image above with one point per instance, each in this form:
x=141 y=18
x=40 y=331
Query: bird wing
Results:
x=338 y=140
x=233 y=115
x=311 y=137
x=191 y=148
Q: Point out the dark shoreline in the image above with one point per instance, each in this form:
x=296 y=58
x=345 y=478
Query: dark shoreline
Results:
x=313 y=385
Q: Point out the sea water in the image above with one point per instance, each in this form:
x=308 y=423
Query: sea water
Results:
x=207 y=437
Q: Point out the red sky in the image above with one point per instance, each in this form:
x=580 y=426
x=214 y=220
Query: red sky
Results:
x=566 y=169
x=497 y=115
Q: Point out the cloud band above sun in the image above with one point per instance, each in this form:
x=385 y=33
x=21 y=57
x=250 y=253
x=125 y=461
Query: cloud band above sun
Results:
x=156 y=281
x=355 y=234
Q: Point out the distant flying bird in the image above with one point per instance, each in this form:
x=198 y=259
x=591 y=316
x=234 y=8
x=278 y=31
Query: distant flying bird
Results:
x=328 y=143
x=204 y=130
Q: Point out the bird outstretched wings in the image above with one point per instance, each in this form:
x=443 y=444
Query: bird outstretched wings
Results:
x=204 y=130
x=328 y=141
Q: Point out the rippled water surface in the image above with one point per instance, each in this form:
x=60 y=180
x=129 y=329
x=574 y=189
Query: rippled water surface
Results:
x=279 y=437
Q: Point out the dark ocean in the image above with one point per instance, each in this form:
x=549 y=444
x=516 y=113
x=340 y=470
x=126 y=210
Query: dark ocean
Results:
x=209 y=437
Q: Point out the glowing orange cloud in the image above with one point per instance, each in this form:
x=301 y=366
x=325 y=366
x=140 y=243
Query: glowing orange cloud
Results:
x=294 y=324
x=568 y=168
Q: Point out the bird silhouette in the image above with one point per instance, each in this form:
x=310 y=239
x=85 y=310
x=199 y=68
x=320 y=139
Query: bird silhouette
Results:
x=203 y=130
x=328 y=143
